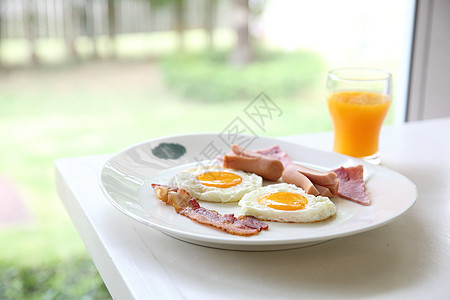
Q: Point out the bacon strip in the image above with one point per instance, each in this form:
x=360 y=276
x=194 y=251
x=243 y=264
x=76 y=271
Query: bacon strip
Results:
x=265 y=166
x=188 y=206
x=162 y=193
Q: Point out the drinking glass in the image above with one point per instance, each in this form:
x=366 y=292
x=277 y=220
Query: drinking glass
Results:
x=358 y=101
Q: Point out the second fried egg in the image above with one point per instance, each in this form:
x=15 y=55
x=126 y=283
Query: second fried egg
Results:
x=286 y=203
x=217 y=184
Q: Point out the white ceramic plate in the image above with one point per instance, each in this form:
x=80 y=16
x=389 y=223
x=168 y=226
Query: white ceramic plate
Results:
x=127 y=177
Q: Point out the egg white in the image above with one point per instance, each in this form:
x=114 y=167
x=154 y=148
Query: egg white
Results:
x=317 y=209
x=188 y=181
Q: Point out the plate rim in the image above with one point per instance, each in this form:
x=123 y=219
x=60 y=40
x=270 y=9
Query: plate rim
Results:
x=245 y=242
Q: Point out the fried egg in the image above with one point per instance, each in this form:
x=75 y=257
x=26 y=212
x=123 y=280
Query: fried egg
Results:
x=286 y=203
x=217 y=184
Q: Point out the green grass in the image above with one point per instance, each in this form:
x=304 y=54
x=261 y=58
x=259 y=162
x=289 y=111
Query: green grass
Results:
x=72 y=279
x=209 y=77
x=52 y=113
x=102 y=107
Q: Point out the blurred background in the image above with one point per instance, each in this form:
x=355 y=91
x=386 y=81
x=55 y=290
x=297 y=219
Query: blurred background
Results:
x=86 y=77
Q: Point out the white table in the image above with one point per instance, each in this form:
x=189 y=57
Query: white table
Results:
x=408 y=258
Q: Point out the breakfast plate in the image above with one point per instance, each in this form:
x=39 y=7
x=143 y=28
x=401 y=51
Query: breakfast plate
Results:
x=126 y=181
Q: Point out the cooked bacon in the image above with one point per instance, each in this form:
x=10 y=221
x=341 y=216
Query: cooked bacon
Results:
x=265 y=166
x=162 y=192
x=351 y=184
x=252 y=222
x=189 y=207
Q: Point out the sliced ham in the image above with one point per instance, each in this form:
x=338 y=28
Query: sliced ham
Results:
x=293 y=176
x=351 y=184
x=265 y=166
x=274 y=151
x=189 y=207
x=277 y=153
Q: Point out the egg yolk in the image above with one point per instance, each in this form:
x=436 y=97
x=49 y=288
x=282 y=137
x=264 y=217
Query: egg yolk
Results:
x=219 y=179
x=283 y=201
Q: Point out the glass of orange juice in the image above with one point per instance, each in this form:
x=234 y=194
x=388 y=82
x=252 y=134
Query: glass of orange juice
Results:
x=358 y=101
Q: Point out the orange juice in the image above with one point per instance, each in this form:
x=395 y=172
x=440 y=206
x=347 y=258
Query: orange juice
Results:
x=357 y=118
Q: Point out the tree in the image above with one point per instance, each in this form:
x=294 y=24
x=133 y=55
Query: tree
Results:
x=112 y=26
x=70 y=11
x=178 y=11
x=31 y=28
x=210 y=15
x=180 y=25
x=1 y=31
x=242 y=54
x=89 y=26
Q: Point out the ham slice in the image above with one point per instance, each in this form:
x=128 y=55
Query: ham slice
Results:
x=274 y=151
x=351 y=184
x=189 y=207
x=265 y=166
x=277 y=153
